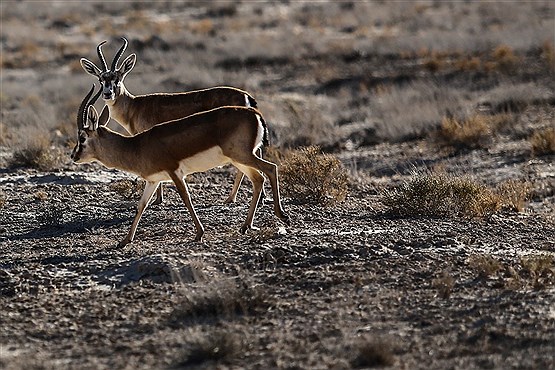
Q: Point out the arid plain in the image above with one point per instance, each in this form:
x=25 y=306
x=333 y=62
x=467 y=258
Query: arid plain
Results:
x=424 y=237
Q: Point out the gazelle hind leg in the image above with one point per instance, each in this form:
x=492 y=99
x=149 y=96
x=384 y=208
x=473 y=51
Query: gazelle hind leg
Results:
x=150 y=187
x=270 y=170
x=159 y=195
x=183 y=191
x=257 y=183
x=233 y=195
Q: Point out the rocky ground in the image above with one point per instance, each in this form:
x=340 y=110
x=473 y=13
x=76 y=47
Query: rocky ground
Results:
x=348 y=285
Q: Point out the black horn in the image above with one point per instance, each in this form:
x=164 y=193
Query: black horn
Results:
x=101 y=56
x=82 y=113
x=119 y=53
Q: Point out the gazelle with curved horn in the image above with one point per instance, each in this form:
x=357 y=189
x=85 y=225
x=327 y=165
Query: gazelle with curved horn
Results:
x=137 y=113
x=172 y=150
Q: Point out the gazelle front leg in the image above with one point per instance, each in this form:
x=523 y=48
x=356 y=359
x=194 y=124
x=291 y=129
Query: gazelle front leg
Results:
x=183 y=191
x=150 y=187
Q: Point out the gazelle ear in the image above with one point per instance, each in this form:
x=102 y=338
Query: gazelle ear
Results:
x=104 y=117
x=127 y=65
x=92 y=119
x=90 y=67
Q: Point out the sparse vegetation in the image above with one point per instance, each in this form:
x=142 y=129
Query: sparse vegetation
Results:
x=216 y=346
x=475 y=132
x=370 y=353
x=340 y=287
x=38 y=154
x=216 y=299
x=536 y=271
x=513 y=194
x=128 y=189
x=310 y=176
x=440 y=194
x=543 y=142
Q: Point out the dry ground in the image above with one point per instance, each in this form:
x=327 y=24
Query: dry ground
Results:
x=345 y=286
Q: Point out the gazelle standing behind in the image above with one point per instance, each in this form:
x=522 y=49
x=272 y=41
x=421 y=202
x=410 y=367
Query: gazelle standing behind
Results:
x=172 y=150
x=139 y=113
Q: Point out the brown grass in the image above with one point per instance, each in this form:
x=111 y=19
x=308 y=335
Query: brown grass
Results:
x=504 y=58
x=36 y=153
x=221 y=298
x=514 y=194
x=310 y=176
x=535 y=271
x=370 y=352
x=444 y=285
x=216 y=346
x=440 y=194
x=128 y=189
x=543 y=142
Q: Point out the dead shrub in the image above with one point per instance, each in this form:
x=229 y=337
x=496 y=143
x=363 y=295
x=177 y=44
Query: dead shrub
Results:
x=485 y=265
x=505 y=58
x=440 y=194
x=128 y=189
x=543 y=142
x=548 y=54
x=539 y=269
x=310 y=176
x=216 y=299
x=36 y=153
x=444 y=285
x=217 y=346
x=513 y=194
x=536 y=271
x=370 y=352
x=472 y=133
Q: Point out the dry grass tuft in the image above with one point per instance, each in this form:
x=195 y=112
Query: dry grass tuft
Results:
x=219 y=298
x=440 y=194
x=504 y=58
x=543 y=142
x=535 y=271
x=310 y=176
x=36 y=153
x=539 y=270
x=548 y=54
x=3 y=199
x=513 y=194
x=444 y=285
x=485 y=265
x=473 y=133
x=371 y=352
x=128 y=189
x=216 y=346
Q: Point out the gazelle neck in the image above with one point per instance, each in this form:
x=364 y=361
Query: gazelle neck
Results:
x=121 y=108
x=115 y=150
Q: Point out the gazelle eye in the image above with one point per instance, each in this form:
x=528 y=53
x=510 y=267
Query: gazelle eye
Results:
x=82 y=139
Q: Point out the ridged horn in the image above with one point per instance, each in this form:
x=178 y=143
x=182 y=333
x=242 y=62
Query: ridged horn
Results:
x=119 y=53
x=101 y=56
x=85 y=104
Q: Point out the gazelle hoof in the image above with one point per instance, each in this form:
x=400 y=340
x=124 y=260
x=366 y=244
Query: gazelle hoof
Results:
x=245 y=228
x=123 y=243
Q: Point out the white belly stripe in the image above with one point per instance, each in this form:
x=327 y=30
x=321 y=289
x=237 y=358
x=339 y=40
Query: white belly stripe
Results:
x=199 y=162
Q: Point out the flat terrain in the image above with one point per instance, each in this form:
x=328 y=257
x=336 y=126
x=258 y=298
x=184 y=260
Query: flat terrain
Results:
x=347 y=285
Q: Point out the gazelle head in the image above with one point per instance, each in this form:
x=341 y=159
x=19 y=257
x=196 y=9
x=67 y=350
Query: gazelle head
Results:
x=110 y=79
x=88 y=123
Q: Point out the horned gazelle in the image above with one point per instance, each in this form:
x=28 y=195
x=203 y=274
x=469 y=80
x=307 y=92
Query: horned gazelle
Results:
x=139 y=113
x=172 y=150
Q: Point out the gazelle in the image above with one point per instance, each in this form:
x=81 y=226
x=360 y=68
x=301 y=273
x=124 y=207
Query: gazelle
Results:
x=172 y=150
x=139 y=113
